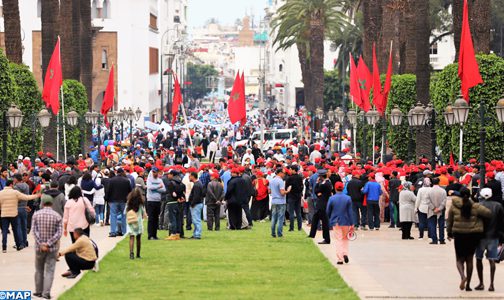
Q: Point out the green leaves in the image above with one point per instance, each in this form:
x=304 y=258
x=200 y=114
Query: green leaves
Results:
x=75 y=96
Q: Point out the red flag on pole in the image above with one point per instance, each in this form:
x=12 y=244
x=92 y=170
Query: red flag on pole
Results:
x=108 y=98
x=365 y=83
x=354 y=84
x=53 y=80
x=177 y=99
x=236 y=105
x=244 y=119
x=452 y=161
x=388 y=81
x=468 y=70
x=377 y=96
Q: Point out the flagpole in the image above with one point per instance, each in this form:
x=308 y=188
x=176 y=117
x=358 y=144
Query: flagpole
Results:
x=57 y=137
x=64 y=126
x=374 y=142
x=187 y=127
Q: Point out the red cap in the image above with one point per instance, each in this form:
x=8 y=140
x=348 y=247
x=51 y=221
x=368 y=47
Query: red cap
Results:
x=339 y=186
x=215 y=175
x=490 y=175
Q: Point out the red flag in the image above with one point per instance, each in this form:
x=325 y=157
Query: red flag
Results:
x=365 y=83
x=388 y=81
x=244 y=120
x=177 y=99
x=53 y=80
x=377 y=97
x=468 y=70
x=108 y=98
x=354 y=84
x=452 y=161
x=236 y=105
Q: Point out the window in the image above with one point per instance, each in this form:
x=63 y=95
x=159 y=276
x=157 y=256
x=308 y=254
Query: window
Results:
x=105 y=14
x=433 y=49
x=104 y=59
x=282 y=135
x=280 y=68
x=153 y=61
x=153 y=22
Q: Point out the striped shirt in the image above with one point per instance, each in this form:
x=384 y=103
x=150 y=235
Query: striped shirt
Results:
x=47 y=228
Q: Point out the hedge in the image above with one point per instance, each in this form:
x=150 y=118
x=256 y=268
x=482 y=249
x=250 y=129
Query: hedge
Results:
x=75 y=97
x=445 y=91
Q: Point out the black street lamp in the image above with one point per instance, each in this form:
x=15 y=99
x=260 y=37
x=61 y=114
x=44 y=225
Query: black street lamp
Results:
x=372 y=118
x=461 y=112
x=340 y=117
x=352 y=119
x=13 y=116
x=111 y=118
x=330 y=117
x=362 y=117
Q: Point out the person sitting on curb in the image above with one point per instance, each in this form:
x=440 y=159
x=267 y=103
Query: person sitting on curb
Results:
x=81 y=255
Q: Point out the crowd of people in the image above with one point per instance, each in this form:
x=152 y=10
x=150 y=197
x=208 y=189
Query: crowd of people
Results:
x=176 y=187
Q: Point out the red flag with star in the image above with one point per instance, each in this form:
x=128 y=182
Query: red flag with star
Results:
x=108 y=98
x=53 y=80
x=355 y=91
x=236 y=105
x=365 y=83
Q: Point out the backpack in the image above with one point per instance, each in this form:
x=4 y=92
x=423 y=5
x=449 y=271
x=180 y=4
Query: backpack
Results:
x=95 y=247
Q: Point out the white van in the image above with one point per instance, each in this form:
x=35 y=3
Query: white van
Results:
x=271 y=138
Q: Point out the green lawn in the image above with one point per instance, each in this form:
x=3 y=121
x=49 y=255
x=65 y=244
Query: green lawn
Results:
x=223 y=265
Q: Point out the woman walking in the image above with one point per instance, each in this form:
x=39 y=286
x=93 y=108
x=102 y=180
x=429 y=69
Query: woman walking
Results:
x=340 y=214
x=135 y=215
x=465 y=226
x=407 y=201
x=74 y=215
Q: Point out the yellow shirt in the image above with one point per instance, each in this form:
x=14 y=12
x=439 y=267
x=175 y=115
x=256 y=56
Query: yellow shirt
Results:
x=83 y=248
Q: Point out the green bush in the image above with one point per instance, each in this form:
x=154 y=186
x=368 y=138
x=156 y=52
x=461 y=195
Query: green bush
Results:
x=75 y=97
x=27 y=97
x=446 y=89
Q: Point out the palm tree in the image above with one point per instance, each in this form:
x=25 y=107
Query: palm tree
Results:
x=479 y=19
x=372 y=10
x=12 y=25
x=306 y=24
x=422 y=36
x=50 y=29
x=86 y=49
x=76 y=39
x=67 y=39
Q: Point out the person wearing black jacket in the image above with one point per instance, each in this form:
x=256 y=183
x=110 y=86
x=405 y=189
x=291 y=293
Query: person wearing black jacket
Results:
x=495 y=186
x=493 y=236
x=354 y=190
x=249 y=191
x=196 y=201
x=175 y=202
x=234 y=198
x=323 y=190
x=394 y=185
x=118 y=189
x=295 y=183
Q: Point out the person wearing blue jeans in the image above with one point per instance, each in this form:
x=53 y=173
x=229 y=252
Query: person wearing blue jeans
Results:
x=422 y=224
x=373 y=215
x=433 y=222
x=22 y=226
x=278 y=202
x=393 y=216
x=360 y=214
x=196 y=219
x=277 y=219
x=373 y=191
x=99 y=210
x=5 y=229
x=196 y=202
x=117 y=215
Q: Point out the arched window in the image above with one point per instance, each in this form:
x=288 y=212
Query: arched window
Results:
x=39 y=8
x=106 y=9
x=280 y=68
x=104 y=59
x=94 y=10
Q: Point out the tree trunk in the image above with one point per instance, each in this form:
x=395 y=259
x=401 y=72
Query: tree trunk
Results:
x=12 y=25
x=423 y=145
x=86 y=51
x=479 y=21
x=391 y=29
x=317 y=59
x=50 y=29
x=76 y=40
x=305 y=74
x=407 y=48
x=67 y=39
x=372 y=10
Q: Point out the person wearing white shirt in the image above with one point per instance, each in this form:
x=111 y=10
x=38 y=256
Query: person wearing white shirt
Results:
x=248 y=155
x=212 y=151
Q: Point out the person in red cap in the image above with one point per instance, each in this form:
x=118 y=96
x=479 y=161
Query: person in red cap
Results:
x=495 y=186
x=373 y=191
x=354 y=190
x=260 y=203
x=340 y=214
x=234 y=198
x=322 y=191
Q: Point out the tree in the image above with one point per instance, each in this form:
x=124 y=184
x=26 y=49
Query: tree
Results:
x=306 y=25
x=497 y=21
x=372 y=10
x=50 y=29
x=332 y=89
x=86 y=50
x=67 y=39
x=76 y=38
x=423 y=145
x=197 y=74
x=479 y=21
x=12 y=25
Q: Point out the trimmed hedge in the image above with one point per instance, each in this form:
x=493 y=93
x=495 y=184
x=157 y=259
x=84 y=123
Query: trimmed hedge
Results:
x=76 y=99
x=445 y=91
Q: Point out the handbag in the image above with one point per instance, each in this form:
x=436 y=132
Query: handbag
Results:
x=90 y=218
x=131 y=217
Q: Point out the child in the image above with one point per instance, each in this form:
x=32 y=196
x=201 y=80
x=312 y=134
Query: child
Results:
x=135 y=215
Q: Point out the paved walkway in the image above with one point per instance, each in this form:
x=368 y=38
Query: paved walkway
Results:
x=384 y=266
x=18 y=268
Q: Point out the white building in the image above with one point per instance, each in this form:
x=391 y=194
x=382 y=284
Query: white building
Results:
x=130 y=36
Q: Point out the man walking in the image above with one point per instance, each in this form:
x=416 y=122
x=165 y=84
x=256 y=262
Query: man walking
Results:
x=373 y=191
x=339 y=211
x=278 y=203
x=394 y=184
x=294 y=183
x=155 y=188
x=322 y=190
x=437 y=198
x=354 y=190
x=234 y=198
x=196 y=202
x=119 y=187
x=47 y=230
x=175 y=202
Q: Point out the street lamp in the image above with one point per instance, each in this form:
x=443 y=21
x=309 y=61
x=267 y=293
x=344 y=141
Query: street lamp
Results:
x=72 y=118
x=44 y=117
x=418 y=116
x=362 y=117
x=449 y=116
x=330 y=117
x=15 y=116
x=499 y=108
x=352 y=119
x=396 y=116
x=138 y=113
x=461 y=112
x=111 y=116
x=372 y=118
x=340 y=116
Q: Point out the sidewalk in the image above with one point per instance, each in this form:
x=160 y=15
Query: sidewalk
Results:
x=384 y=266
x=18 y=268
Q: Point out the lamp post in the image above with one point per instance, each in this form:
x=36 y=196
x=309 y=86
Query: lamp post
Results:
x=14 y=117
x=93 y=118
x=111 y=118
x=330 y=117
x=461 y=112
x=43 y=117
x=372 y=117
x=340 y=116
x=352 y=118
x=171 y=58
x=416 y=119
x=362 y=117
x=319 y=113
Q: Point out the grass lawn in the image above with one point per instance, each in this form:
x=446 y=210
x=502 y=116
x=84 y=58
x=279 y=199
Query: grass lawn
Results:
x=227 y=264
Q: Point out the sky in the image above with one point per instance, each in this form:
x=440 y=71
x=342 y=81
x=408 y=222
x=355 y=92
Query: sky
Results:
x=226 y=11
